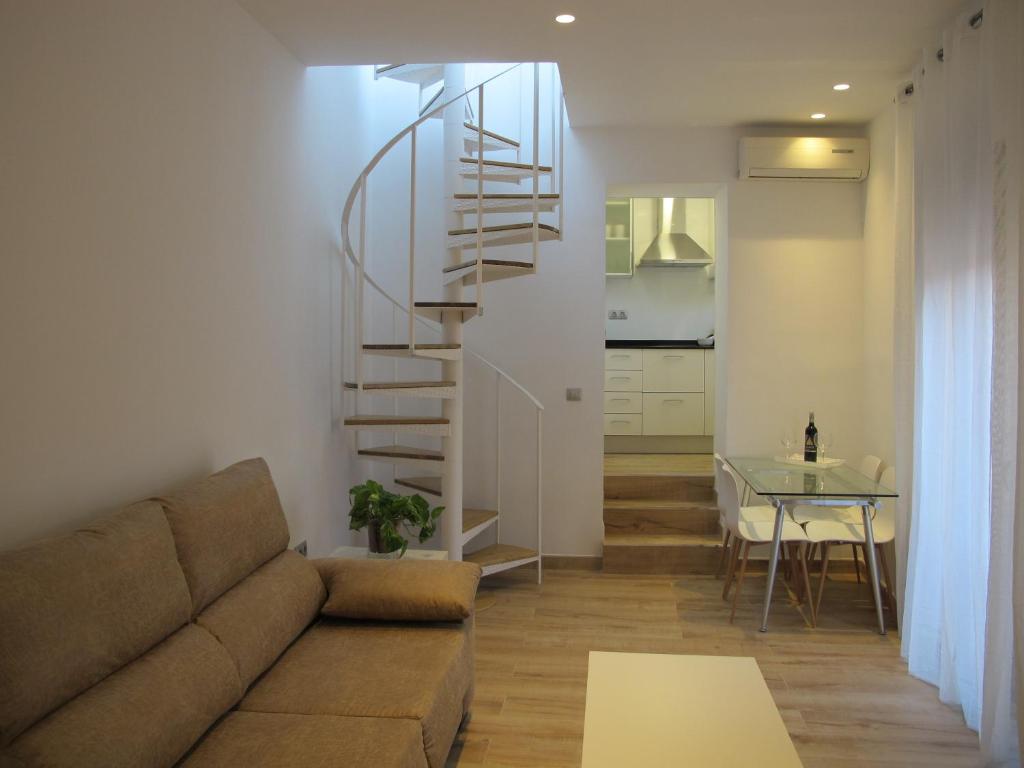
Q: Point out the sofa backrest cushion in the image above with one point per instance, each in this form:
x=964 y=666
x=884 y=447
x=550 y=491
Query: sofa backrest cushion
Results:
x=146 y=715
x=225 y=527
x=77 y=608
x=261 y=615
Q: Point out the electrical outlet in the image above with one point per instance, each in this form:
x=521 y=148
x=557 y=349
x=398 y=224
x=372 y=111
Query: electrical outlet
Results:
x=302 y=548
x=617 y=314
x=574 y=394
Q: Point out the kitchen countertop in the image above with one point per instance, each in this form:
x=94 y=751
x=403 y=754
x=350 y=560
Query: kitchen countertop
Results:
x=654 y=344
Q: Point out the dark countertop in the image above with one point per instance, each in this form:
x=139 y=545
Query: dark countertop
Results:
x=653 y=344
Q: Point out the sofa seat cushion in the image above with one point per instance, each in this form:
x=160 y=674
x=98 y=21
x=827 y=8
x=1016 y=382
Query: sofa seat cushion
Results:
x=419 y=671
x=273 y=740
x=261 y=615
x=77 y=608
x=146 y=715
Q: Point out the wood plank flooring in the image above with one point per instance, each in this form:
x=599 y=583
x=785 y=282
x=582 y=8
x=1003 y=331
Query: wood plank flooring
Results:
x=842 y=689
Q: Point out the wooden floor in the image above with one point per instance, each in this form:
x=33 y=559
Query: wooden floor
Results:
x=620 y=464
x=842 y=689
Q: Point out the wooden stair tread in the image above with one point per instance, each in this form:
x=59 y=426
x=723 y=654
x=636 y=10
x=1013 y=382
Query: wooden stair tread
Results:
x=430 y=485
x=662 y=540
x=660 y=504
x=403 y=452
x=384 y=420
x=501 y=228
x=497 y=554
x=491 y=134
x=505 y=164
x=446 y=305
x=507 y=195
x=471 y=518
x=406 y=346
x=490 y=263
x=368 y=385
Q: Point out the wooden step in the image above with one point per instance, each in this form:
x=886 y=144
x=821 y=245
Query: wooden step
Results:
x=661 y=553
x=437 y=310
x=501 y=234
x=402 y=452
x=501 y=557
x=424 y=389
x=420 y=425
x=517 y=202
x=431 y=485
x=492 y=141
x=660 y=516
x=667 y=487
x=476 y=521
x=493 y=269
x=431 y=351
x=499 y=170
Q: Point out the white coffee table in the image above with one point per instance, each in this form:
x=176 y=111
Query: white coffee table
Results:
x=656 y=711
x=356 y=553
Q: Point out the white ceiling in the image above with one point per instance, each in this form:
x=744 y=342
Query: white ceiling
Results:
x=643 y=62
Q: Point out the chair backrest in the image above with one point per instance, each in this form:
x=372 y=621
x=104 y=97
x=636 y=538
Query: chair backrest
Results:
x=871 y=466
x=888 y=478
x=729 y=496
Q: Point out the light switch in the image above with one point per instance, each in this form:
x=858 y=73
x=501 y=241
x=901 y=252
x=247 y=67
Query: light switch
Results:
x=574 y=394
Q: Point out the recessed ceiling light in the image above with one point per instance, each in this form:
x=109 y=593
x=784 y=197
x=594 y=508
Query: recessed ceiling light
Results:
x=565 y=18
x=841 y=87
x=818 y=116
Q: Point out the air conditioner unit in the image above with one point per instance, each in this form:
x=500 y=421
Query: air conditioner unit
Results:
x=805 y=157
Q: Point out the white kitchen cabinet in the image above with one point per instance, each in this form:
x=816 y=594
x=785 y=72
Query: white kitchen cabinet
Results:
x=709 y=392
x=674 y=370
x=623 y=381
x=623 y=402
x=623 y=359
x=623 y=424
x=673 y=413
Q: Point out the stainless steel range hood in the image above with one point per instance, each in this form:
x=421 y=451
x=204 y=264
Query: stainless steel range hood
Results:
x=673 y=246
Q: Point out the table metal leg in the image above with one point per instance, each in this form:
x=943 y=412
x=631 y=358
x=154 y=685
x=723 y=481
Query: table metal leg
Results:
x=773 y=561
x=869 y=553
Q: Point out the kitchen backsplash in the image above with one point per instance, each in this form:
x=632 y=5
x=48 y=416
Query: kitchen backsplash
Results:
x=661 y=303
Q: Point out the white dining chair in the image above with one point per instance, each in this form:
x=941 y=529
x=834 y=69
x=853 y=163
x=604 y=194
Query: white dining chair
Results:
x=870 y=466
x=746 y=530
x=755 y=512
x=883 y=527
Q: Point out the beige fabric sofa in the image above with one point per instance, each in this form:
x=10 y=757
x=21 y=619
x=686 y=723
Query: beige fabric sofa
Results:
x=183 y=631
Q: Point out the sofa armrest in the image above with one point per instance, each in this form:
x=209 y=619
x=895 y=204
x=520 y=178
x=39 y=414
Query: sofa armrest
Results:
x=398 y=590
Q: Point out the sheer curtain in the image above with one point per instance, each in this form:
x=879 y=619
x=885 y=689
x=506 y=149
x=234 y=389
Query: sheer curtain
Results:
x=958 y=614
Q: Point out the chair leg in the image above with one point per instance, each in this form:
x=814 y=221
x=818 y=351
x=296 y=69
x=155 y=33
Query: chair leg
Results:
x=739 y=581
x=785 y=563
x=856 y=561
x=807 y=584
x=725 y=551
x=734 y=553
x=821 y=584
x=889 y=590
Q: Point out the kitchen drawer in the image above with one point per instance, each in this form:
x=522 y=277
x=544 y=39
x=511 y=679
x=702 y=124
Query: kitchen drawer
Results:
x=623 y=402
x=623 y=424
x=677 y=413
x=674 y=370
x=623 y=381
x=623 y=359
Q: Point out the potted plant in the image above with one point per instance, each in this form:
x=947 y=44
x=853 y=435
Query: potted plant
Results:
x=383 y=513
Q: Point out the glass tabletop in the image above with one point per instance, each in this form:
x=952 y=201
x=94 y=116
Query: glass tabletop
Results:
x=767 y=477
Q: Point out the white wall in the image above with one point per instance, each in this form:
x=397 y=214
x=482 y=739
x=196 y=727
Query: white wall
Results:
x=172 y=180
x=661 y=303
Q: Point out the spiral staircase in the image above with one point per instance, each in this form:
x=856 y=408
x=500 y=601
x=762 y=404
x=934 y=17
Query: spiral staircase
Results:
x=486 y=207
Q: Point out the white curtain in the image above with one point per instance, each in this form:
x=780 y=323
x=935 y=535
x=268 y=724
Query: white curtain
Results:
x=958 y=614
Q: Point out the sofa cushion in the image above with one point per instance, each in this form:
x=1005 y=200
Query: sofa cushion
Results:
x=145 y=715
x=399 y=590
x=420 y=671
x=260 y=616
x=225 y=527
x=270 y=740
x=75 y=609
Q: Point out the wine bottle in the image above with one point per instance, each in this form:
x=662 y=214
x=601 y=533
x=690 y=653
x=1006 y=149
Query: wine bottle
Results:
x=811 y=441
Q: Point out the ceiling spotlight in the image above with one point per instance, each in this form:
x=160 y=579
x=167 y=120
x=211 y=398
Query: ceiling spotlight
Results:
x=841 y=87
x=818 y=116
x=565 y=18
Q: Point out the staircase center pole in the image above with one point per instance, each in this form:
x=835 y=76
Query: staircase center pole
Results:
x=451 y=483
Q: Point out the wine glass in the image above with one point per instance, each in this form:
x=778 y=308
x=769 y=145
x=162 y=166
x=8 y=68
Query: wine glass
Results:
x=825 y=443
x=788 y=440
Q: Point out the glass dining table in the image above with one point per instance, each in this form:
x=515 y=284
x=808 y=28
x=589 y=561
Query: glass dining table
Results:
x=788 y=485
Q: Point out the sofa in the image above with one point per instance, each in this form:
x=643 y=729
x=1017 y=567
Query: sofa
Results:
x=182 y=630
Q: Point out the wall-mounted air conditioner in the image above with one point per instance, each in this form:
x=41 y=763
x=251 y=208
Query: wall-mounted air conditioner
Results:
x=804 y=158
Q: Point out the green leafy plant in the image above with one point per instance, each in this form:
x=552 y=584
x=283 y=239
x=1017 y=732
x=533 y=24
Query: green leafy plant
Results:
x=384 y=514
